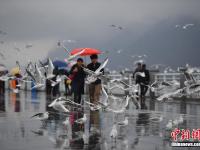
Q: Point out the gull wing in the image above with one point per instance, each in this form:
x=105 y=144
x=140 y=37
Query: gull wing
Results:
x=102 y=65
x=142 y=74
x=31 y=75
x=50 y=67
x=64 y=108
x=38 y=114
x=165 y=83
x=43 y=66
x=104 y=93
x=38 y=74
x=88 y=71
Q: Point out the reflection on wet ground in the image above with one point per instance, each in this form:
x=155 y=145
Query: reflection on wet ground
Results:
x=146 y=128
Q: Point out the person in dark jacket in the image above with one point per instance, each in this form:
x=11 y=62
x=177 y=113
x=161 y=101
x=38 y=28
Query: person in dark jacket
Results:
x=143 y=85
x=144 y=80
x=95 y=87
x=137 y=80
x=78 y=80
x=138 y=69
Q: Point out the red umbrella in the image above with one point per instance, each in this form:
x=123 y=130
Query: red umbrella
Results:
x=88 y=51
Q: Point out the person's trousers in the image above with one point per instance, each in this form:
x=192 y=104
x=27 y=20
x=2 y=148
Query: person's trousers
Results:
x=77 y=97
x=143 y=89
x=94 y=92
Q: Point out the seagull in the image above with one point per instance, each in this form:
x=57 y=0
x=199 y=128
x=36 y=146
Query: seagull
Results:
x=123 y=107
x=37 y=78
x=58 y=105
x=7 y=77
x=169 y=125
x=120 y=28
x=113 y=25
x=119 y=51
x=50 y=69
x=117 y=27
x=142 y=74
x=180 y=119
x=157 y=119
x=29 y=46
x=82 y=120
x=170 y=94
x=177 y=26
x=175 y=122
x=71 y=41
x=187 y=25
x=16 y=90
x=114 y=133
x=58 y=80
x=104 y=97
x=66 y=122
x=123 y=123
x=41 y=116
x=71 y=57
x=93 y=75
x=93 y=107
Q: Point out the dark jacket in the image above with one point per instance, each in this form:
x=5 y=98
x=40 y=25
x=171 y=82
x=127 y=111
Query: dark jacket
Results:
x=145 y=79
x=137 y=78
x=78 y=80
x=94 y=67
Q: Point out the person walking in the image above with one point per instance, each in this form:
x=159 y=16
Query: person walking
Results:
x=77 y=76
x=144 y=80
x=137 y=79
x=144 y=85
x=95 y=87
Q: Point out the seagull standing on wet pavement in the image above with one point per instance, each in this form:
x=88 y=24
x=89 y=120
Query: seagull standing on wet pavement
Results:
x=169 y=125
x=82 y=120
x=66 y=122
x=114 y=133
x=123 y=123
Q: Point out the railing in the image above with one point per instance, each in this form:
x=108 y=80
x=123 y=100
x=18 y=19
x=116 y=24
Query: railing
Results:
x=130 y=80
x=172 y=76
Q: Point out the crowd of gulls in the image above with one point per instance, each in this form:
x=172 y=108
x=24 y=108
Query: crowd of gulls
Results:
x=109 y=102
x=38 y=73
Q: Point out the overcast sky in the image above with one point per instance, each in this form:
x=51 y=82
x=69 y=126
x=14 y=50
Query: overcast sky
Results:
x=42 y=23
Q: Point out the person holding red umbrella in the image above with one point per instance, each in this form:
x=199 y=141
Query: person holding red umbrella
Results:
x=77 y=76
x=95 y=87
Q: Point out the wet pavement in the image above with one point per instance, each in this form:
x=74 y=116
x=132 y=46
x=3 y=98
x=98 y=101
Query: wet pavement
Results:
x=146 y=129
